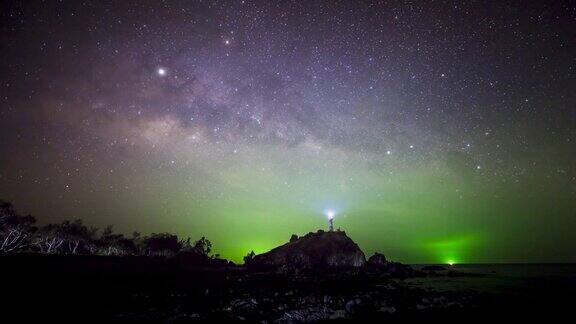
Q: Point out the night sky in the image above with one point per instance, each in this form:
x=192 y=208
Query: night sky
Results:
x=437 y=132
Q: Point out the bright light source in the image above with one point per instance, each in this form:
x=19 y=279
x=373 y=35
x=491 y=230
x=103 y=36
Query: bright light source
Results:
x=330 y=214
x=450 y=262
x=161 y=71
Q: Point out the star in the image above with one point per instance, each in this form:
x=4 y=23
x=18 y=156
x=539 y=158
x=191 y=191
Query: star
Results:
x=161 y=71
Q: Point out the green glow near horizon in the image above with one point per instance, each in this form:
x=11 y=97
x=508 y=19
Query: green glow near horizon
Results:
x=416 y=214
x=454 y=250
x=413 y=212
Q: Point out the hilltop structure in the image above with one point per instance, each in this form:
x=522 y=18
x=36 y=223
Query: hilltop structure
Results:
x=314 y=251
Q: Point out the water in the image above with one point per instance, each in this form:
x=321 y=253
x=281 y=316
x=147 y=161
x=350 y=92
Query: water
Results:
x=510 y=279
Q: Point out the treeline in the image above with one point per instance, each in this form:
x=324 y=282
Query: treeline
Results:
x=20 y=234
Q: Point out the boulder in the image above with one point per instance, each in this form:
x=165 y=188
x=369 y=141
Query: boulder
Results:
x=398 y=269
x=377 y=260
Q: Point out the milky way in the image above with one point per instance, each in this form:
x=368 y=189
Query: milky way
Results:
x=440 y=131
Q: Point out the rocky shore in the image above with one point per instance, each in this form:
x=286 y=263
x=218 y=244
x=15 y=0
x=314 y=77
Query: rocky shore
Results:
x=320 y=276
x=279 y=298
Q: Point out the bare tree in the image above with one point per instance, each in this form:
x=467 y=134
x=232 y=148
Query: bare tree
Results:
x=116 y=244
x=78 y=238
x=68 y=237
x=15 y=230
x=17 y=233
x=49 y=239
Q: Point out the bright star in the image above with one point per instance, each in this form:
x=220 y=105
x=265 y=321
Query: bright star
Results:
x=161 y=71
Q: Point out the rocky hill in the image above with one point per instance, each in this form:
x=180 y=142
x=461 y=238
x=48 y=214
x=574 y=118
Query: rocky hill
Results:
x=314 y=251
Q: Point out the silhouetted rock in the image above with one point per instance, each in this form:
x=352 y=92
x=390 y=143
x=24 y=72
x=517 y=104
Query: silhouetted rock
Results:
x=434 y=268
x=377 y=260
x=314 y=251
x=397 y=269
x=378 y=263
x=194 y=258
x=189 y=258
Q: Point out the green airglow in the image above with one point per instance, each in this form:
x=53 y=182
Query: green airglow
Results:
x=439 y=210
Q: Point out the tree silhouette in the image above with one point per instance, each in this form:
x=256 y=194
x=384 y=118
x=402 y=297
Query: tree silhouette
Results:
x=15 y=231
x=249 y=257
x=49 y=239
x=68 y=237
x=110 y=243
x=18 y=233
x=203 y=245
x=78 y=238
x=161 y=244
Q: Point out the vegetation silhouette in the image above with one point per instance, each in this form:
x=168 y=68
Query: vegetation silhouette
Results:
x=19 y=234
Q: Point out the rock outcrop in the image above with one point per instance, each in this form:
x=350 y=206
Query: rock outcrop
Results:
x=193 y=259
x=377 y=263
x=434 y=268
x=314 y=251
x=377 y=260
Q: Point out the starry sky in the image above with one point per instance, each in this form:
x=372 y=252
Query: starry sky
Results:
x=439 y=131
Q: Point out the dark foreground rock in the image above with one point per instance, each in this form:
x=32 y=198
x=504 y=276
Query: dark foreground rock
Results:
x=300 y=299
x=434 y=268
x=193 y=259
x=314 y=251
x=111 y=289
x=377 y=260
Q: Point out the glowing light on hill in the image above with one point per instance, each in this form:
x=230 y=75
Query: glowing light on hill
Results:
x=330 y=214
